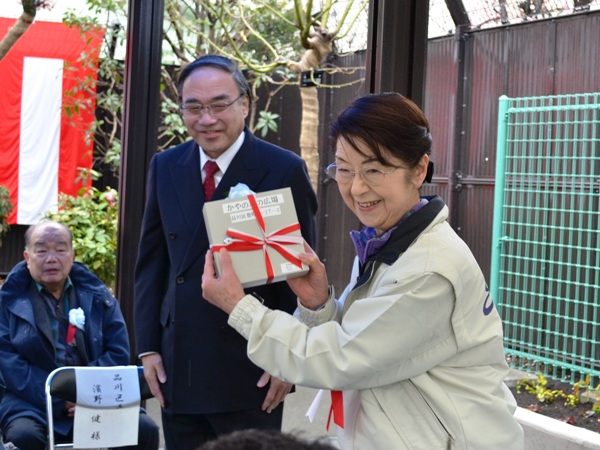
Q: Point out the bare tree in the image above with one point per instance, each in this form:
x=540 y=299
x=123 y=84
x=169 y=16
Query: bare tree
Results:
x=30 y=8
x=274 y=41
x=237 y=29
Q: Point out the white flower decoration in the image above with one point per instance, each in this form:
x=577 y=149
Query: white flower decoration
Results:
x=77 y=318
x=240 y=190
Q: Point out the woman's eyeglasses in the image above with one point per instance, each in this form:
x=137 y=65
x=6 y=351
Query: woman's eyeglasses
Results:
x=369 y=175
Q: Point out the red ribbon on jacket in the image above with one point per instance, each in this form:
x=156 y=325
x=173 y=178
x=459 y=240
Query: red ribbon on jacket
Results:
x=337 y=409
x=243 y=242
x=70 y=333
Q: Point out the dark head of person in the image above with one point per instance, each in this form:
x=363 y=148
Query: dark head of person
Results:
x=389 y=124
x=252 y=439
x=220 y=63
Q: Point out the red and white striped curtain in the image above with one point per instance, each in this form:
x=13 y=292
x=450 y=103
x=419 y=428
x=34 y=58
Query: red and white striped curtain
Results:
x=41 y=149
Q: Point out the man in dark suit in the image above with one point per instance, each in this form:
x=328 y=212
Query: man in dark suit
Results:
x=195 y=364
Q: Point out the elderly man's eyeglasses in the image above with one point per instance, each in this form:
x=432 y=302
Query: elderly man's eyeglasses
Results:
x=369 y=175
x=196 y=109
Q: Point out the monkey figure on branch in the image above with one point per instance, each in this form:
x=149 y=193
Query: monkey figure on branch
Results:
x=318 y=45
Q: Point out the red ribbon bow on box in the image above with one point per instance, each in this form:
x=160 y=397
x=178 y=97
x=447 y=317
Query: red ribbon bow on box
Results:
x=243 y=242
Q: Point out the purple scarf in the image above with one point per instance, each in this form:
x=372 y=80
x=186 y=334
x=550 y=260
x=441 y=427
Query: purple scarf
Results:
x=366 y=241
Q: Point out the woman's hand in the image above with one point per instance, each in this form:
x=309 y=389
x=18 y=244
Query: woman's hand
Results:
x=312 y=289
x=224 y=291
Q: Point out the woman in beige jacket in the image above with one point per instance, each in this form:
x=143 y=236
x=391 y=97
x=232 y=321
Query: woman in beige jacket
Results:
x=414 y=342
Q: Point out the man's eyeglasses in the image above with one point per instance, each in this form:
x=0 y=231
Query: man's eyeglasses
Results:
x=370 y=176
x=196 y=109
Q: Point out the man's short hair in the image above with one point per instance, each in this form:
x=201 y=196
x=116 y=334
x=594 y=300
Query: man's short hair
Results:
x=33 y=227
x=217 y=62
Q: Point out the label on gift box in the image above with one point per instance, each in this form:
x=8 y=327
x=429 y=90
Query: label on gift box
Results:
x=261 y=233
x=244 y=204
x=269 y=211
x=288 y=267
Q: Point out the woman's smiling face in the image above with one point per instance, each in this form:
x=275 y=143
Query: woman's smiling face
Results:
x=379 y=205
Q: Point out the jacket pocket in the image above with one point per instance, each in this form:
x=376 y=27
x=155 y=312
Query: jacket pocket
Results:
x=413 y=418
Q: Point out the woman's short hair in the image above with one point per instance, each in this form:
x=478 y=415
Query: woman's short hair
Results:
x=389 y=124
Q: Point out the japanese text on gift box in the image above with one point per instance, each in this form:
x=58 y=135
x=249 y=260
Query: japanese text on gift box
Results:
x=241 y=211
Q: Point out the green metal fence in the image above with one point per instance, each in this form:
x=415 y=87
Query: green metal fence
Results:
x=545 y=269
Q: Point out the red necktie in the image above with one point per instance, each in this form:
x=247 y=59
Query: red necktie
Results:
x=210 y=168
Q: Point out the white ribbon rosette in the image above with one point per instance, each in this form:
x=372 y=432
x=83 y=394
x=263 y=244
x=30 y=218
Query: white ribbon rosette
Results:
x=240 y=190
x=77 y=318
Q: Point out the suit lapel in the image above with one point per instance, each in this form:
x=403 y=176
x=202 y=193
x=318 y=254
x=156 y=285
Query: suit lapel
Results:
x=186 y=176
x=247 y=167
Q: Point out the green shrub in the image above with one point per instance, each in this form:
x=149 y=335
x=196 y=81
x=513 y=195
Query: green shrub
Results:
x=92 y=218
x=6 y=208
x=545 y=395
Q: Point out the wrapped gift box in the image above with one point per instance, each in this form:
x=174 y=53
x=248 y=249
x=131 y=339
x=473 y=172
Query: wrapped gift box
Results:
x=261 y=233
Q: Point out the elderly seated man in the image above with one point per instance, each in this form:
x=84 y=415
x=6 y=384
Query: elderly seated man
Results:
x=36 y=337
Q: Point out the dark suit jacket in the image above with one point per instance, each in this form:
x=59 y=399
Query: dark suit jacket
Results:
x=205 y=359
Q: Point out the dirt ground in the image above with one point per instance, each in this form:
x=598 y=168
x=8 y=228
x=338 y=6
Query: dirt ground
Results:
x=580 y=415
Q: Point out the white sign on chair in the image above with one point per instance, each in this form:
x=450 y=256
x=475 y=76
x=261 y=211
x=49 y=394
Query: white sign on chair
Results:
x=107 y=410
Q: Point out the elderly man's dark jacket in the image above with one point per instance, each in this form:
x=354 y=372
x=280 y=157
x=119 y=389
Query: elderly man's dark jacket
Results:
x=27 y=354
